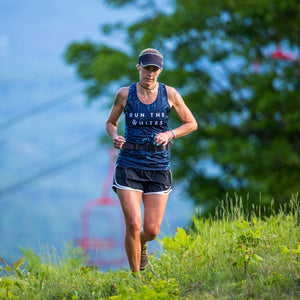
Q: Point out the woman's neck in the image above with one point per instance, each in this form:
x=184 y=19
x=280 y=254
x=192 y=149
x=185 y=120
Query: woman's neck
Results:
x=152 y=90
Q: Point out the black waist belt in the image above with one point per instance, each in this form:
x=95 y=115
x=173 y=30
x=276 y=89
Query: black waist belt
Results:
x=145 y=147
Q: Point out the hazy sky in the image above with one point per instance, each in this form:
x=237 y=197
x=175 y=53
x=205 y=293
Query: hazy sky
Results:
x=34 y=34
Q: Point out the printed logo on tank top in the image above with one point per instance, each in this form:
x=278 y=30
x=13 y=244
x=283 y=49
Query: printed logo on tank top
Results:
x=147 y=118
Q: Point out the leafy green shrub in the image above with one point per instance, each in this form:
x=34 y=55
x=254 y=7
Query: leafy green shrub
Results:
x=13 y=280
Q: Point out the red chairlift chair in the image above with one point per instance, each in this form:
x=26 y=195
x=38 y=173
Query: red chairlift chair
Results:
x=100 y=244
x=278 y=54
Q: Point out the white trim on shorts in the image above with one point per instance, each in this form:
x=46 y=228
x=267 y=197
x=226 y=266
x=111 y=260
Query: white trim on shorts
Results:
x=166 y=192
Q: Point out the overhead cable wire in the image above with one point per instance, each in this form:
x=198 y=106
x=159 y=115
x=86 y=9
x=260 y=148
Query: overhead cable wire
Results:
x=75 y=144
x=38 y=109
x=51 y=170
x=83 y=140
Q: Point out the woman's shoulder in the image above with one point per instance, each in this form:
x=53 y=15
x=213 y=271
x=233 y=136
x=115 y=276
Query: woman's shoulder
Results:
x=170 y=90
x=123 y=91
x=172 y=94
x=122 y=94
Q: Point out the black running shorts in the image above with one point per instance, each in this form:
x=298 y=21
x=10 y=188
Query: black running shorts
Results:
x=145 y=181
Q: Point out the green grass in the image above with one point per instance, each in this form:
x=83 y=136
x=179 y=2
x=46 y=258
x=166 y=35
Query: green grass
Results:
x=230 y=256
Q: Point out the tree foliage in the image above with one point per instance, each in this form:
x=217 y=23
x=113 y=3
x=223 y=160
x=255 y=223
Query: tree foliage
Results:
x=218 y=55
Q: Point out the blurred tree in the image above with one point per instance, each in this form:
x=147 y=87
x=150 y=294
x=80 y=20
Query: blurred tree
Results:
x=247 y=102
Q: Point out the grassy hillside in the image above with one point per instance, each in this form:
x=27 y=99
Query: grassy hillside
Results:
x=227 y=257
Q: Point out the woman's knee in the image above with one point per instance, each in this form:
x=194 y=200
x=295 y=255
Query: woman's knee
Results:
x=134 y=225
x=151 y=232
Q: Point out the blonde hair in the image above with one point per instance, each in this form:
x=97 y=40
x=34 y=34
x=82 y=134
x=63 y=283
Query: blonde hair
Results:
x=151 y=50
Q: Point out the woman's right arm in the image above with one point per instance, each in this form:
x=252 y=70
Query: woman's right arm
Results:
x=115 y=113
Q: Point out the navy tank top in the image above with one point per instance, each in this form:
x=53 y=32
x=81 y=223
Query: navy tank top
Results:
x=142 y=122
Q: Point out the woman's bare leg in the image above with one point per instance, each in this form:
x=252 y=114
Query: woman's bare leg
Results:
x=154 y=209
x=131 y=206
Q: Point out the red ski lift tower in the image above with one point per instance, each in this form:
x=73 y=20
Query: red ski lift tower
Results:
x=103 y=241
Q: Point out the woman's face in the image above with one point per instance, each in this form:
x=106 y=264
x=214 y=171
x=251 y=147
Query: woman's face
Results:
x=148 y=74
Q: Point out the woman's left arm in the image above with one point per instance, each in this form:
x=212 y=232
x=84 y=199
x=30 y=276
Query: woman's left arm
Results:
x=184 y=114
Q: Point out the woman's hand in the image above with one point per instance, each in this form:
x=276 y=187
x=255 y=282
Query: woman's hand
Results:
x=163 y=138
x=118 y=141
